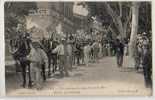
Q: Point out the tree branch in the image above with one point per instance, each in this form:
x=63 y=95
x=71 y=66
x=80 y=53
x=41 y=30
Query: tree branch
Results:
x=120 y=9
x=116 y=19
x=111 y=13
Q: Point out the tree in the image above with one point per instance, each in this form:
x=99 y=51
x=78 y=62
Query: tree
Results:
x=117 y=15
x=134 y=31
x=128 y=19
x=120 y=20
x=134 y=28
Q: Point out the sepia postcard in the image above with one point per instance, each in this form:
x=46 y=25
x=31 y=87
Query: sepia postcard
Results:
x=78 y=48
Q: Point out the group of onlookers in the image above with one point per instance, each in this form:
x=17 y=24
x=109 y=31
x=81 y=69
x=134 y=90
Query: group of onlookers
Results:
x=143 y=57
x=44 y=58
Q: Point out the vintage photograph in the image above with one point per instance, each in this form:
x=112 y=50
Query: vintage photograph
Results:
x=78 y=48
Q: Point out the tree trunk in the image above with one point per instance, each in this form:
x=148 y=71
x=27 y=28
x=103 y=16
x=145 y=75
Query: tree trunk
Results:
x=120 y=9
x=117 y=19
x=134 y=30
x=121 y=28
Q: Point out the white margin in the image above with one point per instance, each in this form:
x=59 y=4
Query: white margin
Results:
x=2 y=52
x=2 y=58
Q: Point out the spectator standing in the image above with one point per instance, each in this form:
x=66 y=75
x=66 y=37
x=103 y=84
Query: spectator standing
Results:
x=147 y=62
x=119 y=49
x=61 y=51
x=87 y=50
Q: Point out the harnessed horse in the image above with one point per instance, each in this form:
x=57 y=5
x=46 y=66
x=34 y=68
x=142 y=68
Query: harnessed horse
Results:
x=22 y=50
x=48 y=46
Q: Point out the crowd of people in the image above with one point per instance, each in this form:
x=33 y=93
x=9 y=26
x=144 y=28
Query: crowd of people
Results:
x=143 y=57
x=44 y=58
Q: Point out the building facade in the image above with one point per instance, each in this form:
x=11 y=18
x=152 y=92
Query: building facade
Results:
x=49 y=16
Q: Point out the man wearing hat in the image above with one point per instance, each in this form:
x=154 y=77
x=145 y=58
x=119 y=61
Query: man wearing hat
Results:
x=119 y=51
x=61 y=51
x=146 y=61
x=138 y=49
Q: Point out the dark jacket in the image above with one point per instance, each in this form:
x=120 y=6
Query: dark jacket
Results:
x=119 y=48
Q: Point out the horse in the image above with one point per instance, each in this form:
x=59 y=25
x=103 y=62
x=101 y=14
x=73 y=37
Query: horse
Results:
x=22 y=45
x=13 y=48
x=48 y=46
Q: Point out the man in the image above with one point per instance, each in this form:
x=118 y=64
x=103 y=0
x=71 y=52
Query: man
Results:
x=47 y=48
x=61 y=51
x=108 y=46
x=87 y=49
x=100 y=50
x=95 y=47
x=138 y=55
x=147 y=61
x=54 y=44
x=70 y=51
x=78 y=51
x=74 y=53
x=119 y=51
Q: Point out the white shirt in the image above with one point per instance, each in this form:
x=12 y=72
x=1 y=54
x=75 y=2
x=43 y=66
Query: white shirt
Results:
x=59 y=49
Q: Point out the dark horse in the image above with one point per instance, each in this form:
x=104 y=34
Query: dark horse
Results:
x=22 y=45
x=48 y=46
